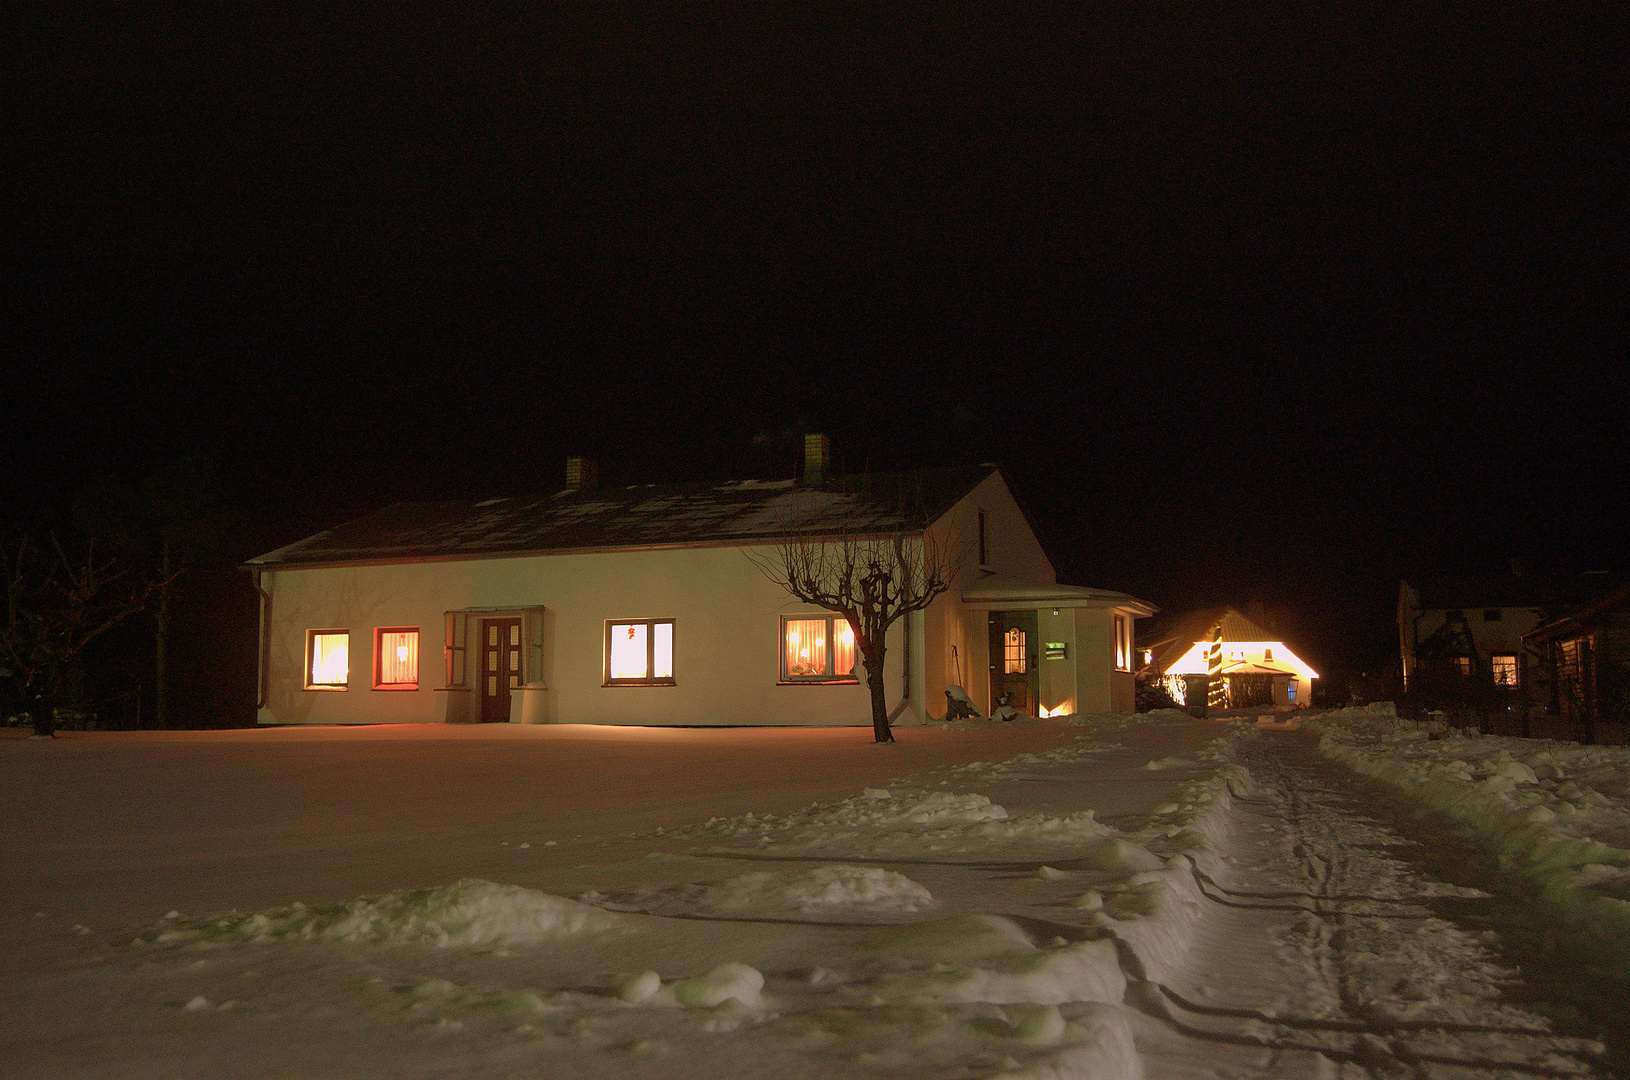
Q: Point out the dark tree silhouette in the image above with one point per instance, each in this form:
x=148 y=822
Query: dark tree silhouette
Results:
x=60 y=595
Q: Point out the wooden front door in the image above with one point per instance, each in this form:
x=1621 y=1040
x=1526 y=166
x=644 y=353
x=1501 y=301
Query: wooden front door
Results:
x=500 y=667
x=1013 y=660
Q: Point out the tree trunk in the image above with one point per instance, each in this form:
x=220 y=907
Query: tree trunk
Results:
x=161 y=645
x=872 y=660
x=42 y=709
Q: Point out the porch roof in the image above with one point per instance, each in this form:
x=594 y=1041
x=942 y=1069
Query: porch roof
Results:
x=1000 y=591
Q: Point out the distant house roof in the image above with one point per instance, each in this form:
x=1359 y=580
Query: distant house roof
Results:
x=1170 y=639
x=999 y=589
x=1527 y=590
x=1587 y=618
x=657 y=515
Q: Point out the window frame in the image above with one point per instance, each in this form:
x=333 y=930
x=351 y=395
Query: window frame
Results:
x=1514 y=666
x=832 y=678
x=650 y=653
x=311 y=642
x=379 y=656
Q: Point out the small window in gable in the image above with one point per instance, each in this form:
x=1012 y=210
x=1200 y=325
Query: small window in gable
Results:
x=817 y=649
x=328 y=659
x=640 y=652
x=1267 y=656
x=396 y=658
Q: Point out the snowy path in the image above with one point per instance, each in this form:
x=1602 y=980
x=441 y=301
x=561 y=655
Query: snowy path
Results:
x=1133 y=897
x=1321 y=954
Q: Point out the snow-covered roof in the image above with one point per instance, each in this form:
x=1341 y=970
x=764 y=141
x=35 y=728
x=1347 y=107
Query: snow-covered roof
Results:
x=1172 y=638
x=655 y=515
x=999 y=590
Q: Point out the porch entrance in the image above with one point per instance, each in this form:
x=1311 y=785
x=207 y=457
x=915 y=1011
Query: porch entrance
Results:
x=500 y=667
x=1013 y=660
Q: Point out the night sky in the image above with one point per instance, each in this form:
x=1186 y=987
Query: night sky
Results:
x=1251 y=301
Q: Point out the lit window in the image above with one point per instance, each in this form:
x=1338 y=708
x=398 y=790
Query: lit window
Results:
x=1504 y=667
x=1290 y=690
x=817 y=648
x=1463 y=664
x=1123 y=644
x=640 y=652
x=328 y=663
x=396 y=658
x=1013 y=652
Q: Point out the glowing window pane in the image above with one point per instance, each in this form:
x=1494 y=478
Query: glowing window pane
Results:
x=330 y=659
x=398 y=657
x=843 y=648
x=1504 y=666
x=628 y=655
x=806 y=648
x=1013 y=657
x=662 y=651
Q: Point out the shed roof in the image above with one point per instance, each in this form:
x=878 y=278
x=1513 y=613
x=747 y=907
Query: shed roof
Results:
x=652 y=515
x=1173 y=637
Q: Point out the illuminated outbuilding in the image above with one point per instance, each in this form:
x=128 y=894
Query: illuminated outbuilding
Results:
x=1257 y=667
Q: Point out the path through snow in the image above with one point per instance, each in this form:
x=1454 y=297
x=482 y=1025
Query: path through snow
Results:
x=1141 y=896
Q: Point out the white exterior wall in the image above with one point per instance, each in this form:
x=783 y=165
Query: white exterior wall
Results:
x=726 y=640
x=958 y=641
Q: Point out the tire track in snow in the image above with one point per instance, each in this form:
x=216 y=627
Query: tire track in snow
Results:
x=1318 y=956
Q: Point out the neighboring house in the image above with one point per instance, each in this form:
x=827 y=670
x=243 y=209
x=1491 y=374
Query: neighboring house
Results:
x=1258 y=668
x=1460 y=634
x=644 y=605
x=1582 y=668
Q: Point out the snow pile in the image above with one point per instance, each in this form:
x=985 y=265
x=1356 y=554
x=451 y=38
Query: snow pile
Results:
x=831 y=893
x=1556 y=813
x=468 y=913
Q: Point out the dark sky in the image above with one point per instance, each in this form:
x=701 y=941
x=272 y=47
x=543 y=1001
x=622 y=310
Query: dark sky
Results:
x=1252 y=301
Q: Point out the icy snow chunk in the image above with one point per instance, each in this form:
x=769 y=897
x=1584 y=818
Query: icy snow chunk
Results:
x=197 y=1004
x=731 y=981
x=873 y=794
x=1118 y=854
x=1169 y=763
x=824 y=890
x=641 y=987
x=471 y=912
x=1517 y=771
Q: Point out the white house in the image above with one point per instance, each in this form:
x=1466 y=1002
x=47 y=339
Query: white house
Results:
x=644 y=605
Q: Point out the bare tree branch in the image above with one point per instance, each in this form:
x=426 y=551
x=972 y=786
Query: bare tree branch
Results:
x=872 y=581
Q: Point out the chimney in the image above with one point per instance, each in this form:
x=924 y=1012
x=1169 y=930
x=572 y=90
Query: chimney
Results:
x=817 y=456
x=581 y=474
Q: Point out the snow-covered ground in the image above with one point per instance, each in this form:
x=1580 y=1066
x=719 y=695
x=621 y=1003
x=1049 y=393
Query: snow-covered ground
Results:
x=1094 y=897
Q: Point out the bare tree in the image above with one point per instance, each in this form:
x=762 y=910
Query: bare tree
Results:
x=59 y=597
x=871 y=581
